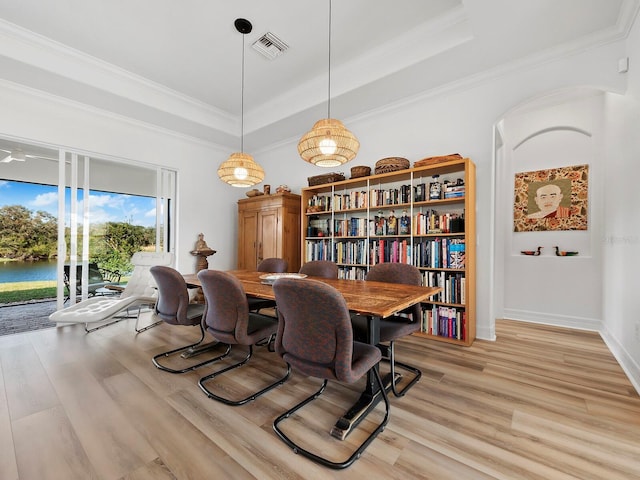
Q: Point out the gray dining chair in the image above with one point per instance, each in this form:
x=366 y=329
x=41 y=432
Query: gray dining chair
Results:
x=228 y=319
x=173 y=307
x=318 y=342
x=396 y=326
x=320 y=268
x=268 y=265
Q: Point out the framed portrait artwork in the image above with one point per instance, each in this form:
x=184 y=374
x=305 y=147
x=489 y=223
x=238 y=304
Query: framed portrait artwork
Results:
x=552 y=199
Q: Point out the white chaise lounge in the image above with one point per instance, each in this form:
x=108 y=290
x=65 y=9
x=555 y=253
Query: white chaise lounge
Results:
x=139 y=291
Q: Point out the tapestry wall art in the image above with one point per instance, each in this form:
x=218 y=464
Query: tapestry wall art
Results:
x=552 y=199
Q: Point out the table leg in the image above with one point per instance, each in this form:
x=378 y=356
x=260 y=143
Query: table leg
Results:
x=371 y=394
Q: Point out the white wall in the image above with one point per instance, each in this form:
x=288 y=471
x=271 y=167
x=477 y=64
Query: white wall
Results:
x=556 y=290
x=205 y=204
x=621 y=237
x=461 y=121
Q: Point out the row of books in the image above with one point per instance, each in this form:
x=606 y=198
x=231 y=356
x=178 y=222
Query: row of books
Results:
x=445 y=321
x=453 y=286
x=352 y=273
x=318 y=250
x=378 y=197
x=431 y=253
x=428 y=222
x=454 y=190
x=385 y=251
x=352 y=252
x=439 y=253
x=432 y=221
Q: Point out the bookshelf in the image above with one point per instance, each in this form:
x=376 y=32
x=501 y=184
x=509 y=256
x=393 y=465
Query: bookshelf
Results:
x=424 y=216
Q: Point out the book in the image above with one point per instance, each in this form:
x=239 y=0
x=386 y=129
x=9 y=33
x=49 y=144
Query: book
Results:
x=456 y=253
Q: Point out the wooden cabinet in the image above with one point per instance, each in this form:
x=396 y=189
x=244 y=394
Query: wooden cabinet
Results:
x=397 y=217
x=269 y=226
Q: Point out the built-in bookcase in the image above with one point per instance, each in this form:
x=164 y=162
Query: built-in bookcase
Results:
x=424 y=216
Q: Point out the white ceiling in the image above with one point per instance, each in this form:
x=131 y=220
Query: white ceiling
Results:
x=177 y=64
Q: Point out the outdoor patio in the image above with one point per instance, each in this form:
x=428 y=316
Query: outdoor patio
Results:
x=25 y=317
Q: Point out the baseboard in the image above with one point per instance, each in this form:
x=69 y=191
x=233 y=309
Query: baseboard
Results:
x=626 y=361
x=568 y=321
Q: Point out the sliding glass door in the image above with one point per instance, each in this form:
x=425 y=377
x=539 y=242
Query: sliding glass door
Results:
x=105 y=209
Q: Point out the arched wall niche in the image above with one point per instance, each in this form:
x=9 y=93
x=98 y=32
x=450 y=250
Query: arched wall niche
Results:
x=551 y=131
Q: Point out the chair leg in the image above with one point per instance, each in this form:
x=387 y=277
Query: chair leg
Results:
x=393 y=363
x=116 y=319
x=144 y=329
x=317 y=458
x=249 y=398
x=182 y=349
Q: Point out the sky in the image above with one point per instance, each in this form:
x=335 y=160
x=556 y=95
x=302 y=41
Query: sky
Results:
x=103 y=206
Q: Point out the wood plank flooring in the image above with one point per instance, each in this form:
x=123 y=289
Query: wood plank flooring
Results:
x=539 y=403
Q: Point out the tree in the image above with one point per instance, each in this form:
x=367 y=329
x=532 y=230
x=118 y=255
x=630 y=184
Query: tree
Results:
x=113 y=247
x=27 y=235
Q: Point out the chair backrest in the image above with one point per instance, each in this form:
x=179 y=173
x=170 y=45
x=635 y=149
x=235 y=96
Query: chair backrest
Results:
x=273 y=265
x=95 y=279
x=173 y=299
x=320 y=268
x=398 y=273
x=315 y=341
x=141 y=282
x=226 y=314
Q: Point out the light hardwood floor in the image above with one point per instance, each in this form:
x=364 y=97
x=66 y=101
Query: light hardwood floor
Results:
x=539 y=403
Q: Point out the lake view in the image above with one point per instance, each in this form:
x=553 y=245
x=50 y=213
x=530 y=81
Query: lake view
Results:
x=27 y=271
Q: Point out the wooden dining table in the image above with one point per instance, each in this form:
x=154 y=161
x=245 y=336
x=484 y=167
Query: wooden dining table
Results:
x=374 y=300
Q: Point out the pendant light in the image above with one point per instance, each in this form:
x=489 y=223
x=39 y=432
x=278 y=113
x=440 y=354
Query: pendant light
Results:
x=328 y=143
x=240 y=170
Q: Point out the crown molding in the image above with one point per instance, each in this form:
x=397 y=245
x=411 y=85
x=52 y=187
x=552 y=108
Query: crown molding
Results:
x=65 y=102
x=416 y=45
x=36 y=50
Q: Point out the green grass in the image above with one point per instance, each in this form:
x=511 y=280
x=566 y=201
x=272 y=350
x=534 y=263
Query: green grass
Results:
x=25 y=291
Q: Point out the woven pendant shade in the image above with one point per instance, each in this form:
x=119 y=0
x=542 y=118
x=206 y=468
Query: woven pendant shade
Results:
x=328 y=144
x=240 y=170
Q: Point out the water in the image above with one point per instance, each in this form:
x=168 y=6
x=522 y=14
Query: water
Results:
x=27 y=271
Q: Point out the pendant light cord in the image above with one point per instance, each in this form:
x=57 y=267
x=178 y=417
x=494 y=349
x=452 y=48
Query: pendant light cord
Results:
x=242 y=101
x=329 y=86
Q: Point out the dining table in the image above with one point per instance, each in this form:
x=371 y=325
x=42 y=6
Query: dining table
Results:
x=374 y=300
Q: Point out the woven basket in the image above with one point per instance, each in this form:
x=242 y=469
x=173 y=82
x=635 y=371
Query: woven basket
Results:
x=435 y=160
x=360 y=171
x=326 y=178
x=391 y=164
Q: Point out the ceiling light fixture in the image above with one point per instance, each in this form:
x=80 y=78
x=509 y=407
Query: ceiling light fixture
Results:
x=240 y=169
x=328 y=143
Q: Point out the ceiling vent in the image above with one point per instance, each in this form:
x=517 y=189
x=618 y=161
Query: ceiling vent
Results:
x=270 y=46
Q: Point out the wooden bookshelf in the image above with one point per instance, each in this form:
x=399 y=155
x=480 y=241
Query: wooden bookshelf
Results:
x=390 y=218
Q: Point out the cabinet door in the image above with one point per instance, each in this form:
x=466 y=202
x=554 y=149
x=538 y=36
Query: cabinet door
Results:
x=269 y=235
x=248 y=240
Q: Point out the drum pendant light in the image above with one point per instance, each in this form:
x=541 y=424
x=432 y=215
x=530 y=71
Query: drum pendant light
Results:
x=240 y=169
x=328 y=143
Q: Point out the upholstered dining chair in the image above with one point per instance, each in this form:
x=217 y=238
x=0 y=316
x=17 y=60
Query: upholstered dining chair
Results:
x=318 y=342
x=268 y=265
x=396 y=326
x=173 y=307
x=228 y=319
x=320 y=268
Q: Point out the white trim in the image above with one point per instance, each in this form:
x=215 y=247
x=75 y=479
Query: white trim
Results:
x=34 y=49
x=628 y=365
x=17 y=87
x=568 y=321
